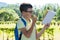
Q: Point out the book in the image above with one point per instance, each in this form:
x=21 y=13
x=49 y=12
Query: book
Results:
x=49 y=17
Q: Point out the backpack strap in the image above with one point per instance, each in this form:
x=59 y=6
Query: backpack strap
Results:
x=16 y=33
x=16 y=30
x=23 y=21
x=25 y=26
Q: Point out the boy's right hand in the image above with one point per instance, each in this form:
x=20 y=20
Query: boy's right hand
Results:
x=34 y=18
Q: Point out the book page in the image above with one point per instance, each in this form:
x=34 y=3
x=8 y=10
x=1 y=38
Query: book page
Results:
x=48 y=17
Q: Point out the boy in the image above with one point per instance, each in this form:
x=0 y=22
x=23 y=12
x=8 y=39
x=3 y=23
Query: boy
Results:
x=28 y=32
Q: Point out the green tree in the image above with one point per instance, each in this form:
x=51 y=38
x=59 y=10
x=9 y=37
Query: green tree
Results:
x=7 y=14
x=58 y=14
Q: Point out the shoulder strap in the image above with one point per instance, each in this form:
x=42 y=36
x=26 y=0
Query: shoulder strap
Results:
x=23 y=21
x=16 y=33
x=25 y=26
x=16 y=30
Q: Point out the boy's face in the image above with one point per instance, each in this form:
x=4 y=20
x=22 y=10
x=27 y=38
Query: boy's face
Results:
x=28 y=13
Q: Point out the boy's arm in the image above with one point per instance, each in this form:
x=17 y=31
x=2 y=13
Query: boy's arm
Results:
x=27 y=33
x=42 y=31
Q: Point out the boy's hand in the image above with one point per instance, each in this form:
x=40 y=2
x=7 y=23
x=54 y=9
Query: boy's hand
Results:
x=47 y=25
x=34 y=18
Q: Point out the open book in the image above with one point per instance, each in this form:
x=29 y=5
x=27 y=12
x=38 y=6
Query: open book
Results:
x=49 y=17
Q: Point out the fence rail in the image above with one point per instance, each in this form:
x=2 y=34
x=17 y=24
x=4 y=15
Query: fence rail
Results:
x=7 y=31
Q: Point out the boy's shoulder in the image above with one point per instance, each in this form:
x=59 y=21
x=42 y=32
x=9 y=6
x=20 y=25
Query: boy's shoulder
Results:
x=19 y=20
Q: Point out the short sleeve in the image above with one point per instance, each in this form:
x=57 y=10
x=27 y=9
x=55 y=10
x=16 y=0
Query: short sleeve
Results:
x=20 y=24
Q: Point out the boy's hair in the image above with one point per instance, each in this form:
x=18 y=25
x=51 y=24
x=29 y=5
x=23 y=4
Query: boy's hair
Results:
x=25 y=6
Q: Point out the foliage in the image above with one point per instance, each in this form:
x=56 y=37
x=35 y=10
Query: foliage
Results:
x=8 y=15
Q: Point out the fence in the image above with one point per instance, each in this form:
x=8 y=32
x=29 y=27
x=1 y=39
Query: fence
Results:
x=7 y=31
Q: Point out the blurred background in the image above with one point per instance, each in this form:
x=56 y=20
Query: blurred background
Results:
x=9 y=14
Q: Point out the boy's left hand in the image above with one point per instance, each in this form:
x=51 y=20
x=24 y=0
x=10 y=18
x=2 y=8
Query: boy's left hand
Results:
x=46 y=25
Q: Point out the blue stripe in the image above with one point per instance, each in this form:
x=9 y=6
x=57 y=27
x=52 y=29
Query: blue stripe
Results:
x=16 y=30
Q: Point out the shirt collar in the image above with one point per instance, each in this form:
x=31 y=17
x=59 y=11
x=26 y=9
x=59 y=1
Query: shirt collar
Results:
x=26 y=20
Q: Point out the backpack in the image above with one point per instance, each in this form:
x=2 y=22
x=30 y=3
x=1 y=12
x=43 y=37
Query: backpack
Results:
x=16 y=30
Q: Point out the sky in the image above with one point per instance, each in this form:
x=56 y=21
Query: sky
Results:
x=33 y=2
